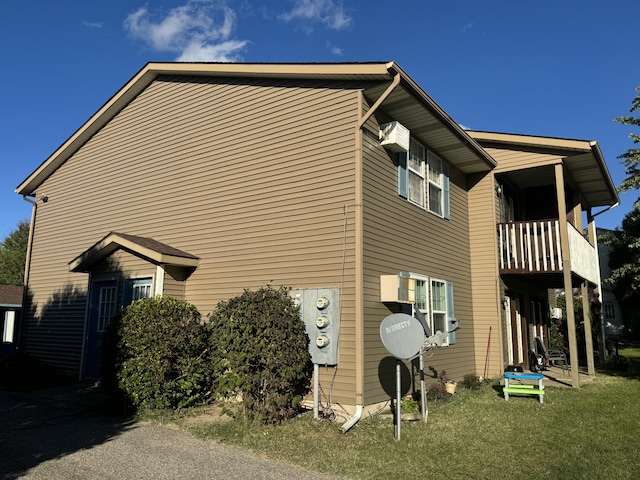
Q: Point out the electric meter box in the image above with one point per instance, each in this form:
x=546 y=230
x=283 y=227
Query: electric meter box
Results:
x=320 y=313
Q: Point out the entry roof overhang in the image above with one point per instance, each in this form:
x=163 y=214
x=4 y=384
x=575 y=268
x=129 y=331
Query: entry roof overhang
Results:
x=157 y=252
x=582 y=159
x=407 y=103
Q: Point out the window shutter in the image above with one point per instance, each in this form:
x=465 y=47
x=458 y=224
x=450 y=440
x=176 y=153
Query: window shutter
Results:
x=445 y=191
x=450 y=313
x=402 y=175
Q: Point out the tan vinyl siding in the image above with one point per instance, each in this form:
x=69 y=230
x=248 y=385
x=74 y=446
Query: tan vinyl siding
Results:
x=399 y=236
x=517 y=159
x=254 y=178
x=174 y=282
x=487 y=313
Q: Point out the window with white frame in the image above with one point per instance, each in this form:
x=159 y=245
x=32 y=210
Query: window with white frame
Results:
x=415 y=167
x=434 y=298
x=435 y=184
x=106 y=306
x=438 y=306
x=423 y=179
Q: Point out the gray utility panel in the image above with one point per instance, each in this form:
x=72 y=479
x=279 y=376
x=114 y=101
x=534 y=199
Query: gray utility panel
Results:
x=320 y=312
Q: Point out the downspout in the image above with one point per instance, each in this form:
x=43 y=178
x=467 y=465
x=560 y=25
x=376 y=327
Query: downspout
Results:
x=27 y=263
x=359 y=260
x=34 y=208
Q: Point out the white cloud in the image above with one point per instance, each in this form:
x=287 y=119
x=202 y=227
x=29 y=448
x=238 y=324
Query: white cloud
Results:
x=467 y=27
x=92 y=24
x=331 y=13
x=198 y=31
x=335 y=50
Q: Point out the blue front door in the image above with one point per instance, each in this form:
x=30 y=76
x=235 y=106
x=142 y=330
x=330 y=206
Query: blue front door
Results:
x=102 y=309
x=103 y=306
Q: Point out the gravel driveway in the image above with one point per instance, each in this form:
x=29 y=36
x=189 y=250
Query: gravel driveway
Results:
x=61 y=434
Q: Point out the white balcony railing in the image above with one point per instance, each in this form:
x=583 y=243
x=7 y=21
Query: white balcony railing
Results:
x=530 y=246
x=535 y=247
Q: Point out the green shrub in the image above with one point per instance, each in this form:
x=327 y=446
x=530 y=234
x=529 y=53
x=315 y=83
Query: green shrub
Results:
x=437 y=391
x=261 y=353
x=156 y=352
x=618 y=363
x=471 y=381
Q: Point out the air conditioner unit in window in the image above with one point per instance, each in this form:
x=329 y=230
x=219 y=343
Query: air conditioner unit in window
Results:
x=394 y=136
x=397 y=289
x=556 y=313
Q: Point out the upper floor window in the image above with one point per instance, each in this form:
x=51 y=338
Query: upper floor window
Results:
x=416 y=165
x=423 y=179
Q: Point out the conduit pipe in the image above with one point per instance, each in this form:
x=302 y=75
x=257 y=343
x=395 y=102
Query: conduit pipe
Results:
x=359 y=236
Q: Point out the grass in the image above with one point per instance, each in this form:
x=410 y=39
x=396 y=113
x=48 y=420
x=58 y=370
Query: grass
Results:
x=586 y=433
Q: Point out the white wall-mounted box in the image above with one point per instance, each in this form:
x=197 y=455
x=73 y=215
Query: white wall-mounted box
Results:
x=397 y=289
x=394 y=136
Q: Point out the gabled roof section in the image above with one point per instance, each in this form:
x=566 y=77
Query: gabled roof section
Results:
x=408 y=104
x=582 y=158
x=157 y=252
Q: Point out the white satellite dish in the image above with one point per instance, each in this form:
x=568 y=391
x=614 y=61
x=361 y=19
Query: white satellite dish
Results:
x=402 y=335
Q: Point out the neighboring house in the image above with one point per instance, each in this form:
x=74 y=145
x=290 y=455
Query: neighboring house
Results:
x=200 y=180
x=611 y=311
x=10 y=311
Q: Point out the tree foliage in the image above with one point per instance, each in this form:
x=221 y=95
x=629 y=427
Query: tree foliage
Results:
x=624 y=258
x=261 y=353
x=631 y=158
x=624 y=261
x=13 y=255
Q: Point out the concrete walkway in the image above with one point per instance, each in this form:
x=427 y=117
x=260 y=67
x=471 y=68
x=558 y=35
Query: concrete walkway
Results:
x=65 y=434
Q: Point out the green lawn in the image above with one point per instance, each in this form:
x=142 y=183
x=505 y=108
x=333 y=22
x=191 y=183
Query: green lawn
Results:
x=587 y=433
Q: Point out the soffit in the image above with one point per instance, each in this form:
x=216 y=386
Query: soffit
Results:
x=582 y=159
x=413 y=108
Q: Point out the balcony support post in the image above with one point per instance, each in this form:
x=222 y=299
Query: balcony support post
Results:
x=588 y=337
x=593 y=240
x=566 y=271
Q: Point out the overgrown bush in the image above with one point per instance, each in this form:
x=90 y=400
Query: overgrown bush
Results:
x=437 y=391
x=261 y=353
x=618 y=363
x=156 y=352
x=471 y=381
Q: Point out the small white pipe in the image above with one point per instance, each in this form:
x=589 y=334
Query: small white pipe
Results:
x=355 y=418
x=316 y=391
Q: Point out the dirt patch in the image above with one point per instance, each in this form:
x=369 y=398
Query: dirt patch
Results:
x=209 y=414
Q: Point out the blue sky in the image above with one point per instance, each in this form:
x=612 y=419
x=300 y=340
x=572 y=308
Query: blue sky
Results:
x=561 y=68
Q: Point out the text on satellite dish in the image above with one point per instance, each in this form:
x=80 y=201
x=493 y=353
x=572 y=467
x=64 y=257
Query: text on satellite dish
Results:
x=397 y=326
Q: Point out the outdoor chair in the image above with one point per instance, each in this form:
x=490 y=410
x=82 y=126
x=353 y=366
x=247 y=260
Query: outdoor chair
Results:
x=550 y=355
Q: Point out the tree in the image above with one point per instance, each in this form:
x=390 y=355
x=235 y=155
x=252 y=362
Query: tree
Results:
x=624 y=258
x=13 y=255
x=624 y=261
x=631 y=158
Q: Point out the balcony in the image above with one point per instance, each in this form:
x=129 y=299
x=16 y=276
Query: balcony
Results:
x=535 y=247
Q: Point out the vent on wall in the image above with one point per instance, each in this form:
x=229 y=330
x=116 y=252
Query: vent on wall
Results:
x=394 y=136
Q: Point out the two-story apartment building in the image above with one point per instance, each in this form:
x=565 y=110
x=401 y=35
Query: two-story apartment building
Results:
x=199 y=180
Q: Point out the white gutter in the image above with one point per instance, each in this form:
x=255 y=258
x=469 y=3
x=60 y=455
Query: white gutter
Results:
x=610 y=207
